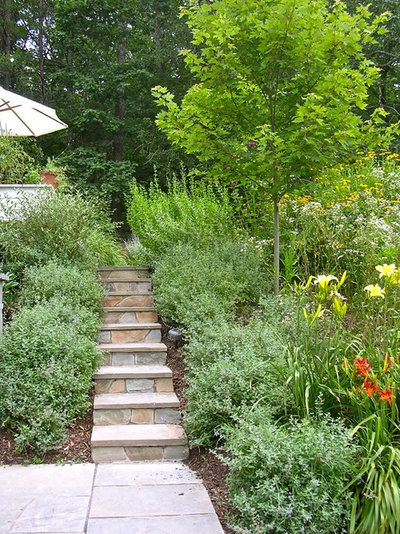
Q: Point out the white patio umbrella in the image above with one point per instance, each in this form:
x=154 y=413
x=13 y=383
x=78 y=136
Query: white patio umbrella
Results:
x=23 y=117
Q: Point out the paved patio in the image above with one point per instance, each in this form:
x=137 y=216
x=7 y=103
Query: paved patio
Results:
x=142 y=498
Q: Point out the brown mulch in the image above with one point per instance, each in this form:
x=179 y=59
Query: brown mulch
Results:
x=75 y=447
x=204 y=462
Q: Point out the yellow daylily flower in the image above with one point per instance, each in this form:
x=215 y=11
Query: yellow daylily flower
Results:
x=375 y=291
x=323 y=281
x=386 y=270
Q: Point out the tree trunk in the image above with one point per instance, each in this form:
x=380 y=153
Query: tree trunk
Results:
x=120 y=103
x=6 y=41
x=276 y=246
x=41 y=52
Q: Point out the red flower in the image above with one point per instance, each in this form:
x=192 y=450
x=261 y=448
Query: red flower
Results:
x=362 y=366
x=233 y=184
x=386 y=395
x=251 y=144
x=369 y=387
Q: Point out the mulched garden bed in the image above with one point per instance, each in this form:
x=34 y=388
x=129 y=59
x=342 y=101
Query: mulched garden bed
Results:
x=209 y=467
x=75 y=448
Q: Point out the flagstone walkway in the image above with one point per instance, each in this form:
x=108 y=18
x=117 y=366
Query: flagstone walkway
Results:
x=137 y=498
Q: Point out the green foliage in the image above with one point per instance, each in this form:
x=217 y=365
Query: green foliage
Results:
x=232 y=368
x=64 y=228
x=377 y=477
x=188 y=211
x=289 y=479
x=47 y=359
x=348 y=221
x=92 y=173
x=280 y=88
x=209 y=284
x=278 y=132
x=80 y=287
x=14 y=161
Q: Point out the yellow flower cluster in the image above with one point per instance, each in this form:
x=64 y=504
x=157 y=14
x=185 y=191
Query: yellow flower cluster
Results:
x=391 y=275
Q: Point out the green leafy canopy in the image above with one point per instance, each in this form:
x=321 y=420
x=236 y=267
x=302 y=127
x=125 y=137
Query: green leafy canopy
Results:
x=280 y=87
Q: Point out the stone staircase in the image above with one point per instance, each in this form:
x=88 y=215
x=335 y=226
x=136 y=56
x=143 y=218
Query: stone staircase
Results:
x=136 y=412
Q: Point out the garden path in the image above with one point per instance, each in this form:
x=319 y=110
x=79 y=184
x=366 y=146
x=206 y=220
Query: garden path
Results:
x=136 y=412
x=134 y=498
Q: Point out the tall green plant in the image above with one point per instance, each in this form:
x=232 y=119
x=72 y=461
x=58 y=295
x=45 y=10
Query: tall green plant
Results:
x=186 y=212
x=280 y=87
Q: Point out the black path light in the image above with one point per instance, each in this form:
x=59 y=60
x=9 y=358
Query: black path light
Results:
x=175 y=336
x=3 y=278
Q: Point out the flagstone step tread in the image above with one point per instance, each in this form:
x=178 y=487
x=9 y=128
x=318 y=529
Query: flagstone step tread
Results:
x=128 y=309
x=130 y=371
x=138 y=435
x=119 y=401
x=123 y=268
x=129 y=294
x=132 y=347
x=131 y=326
x=123 y=280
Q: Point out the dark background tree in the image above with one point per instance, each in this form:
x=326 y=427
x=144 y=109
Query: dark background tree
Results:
x=386 y=55
x=96 y=62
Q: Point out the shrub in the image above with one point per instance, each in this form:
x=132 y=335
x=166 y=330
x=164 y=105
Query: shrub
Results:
x=65 y=228
x=47 y=358
x=187 y=212
x=194 y=287
x=289 y=479
x=231 y=368
x=80 y=287
x=14 y=161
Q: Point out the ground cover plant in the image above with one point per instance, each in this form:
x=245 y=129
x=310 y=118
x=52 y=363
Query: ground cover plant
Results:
x=48 y=350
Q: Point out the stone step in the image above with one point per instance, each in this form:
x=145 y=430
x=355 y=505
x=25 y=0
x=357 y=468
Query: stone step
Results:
x=130 y=314
x=120 y=443
x=136 y=285
x=156 y=378
x=123 y=268
x=130 y=333
x=136 y=408
x=126 y=299
x=122 y=273
x=134 y=353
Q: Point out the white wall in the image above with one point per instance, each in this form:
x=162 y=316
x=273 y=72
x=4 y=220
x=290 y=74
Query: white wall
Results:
x=12 y=195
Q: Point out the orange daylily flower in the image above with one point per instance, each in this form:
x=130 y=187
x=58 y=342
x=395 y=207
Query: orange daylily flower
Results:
x=386 y=395
x=369 y=387
x=362 y=366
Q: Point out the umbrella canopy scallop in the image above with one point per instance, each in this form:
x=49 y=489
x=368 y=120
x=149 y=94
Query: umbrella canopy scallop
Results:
x=20 y=116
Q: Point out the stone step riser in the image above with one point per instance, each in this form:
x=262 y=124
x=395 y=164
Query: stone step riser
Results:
x=130 y=336
x=139 y=454
x=123 y=274
x=133 y=385
x=136 y=317
x=128 y=301
x=137 y=358
x=134 y=286
x=136 y=416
